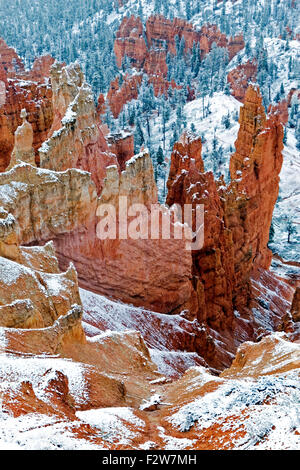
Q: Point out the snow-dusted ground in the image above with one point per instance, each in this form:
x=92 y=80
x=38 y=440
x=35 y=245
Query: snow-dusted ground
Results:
x=250 y=413
x=240 y=405
x=288 y=204
x=112 y=423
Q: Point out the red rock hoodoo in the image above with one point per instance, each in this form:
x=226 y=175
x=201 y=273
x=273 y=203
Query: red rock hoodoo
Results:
x=237 y=218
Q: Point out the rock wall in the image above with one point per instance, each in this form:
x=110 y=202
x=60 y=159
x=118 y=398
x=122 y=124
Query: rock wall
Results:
x=41 y=204
x=119 y=95
x=10 y=60
x=254 y=170
x=130 y=42
x=146 y=272
x=122 y=145
x=213 y=275
x=161 y=32
x=31 y=297
x=147 y=51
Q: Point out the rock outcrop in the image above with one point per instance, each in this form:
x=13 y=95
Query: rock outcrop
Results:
x=295 y=309
x=254 y=170
x=237 y=218
x=212 y=264
x=130 y=42
x=33 y=292
x=119 y=95
x=23 y=150
x=121 y=144
x=160 y=31
x=76 y=139
x=29 y=90
x=38 y=204
x=10 y=60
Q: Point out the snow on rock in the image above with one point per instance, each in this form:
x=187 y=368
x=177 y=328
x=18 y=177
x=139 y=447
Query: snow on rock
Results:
x=39 y=432
x=151 y=404
x=266 y=409
x=14 y=370
x=114 y=423
x=162 y=333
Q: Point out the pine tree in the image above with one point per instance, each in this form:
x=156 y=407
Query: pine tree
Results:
x=160 y=156
x=138 y=137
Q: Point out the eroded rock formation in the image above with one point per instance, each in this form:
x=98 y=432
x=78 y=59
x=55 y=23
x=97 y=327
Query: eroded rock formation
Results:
x=149 y=56
x=38 y=204
x=122 y=145
x=10 y=60
x=254 y=170
x=237 y=218
x=76 y=139
x=130 y=42
x=29 y=90
x=118 y=96
x=151 y=273
x=23 y=150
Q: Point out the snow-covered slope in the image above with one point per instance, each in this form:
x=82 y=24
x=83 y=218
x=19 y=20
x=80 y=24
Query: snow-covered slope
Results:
x=288 y=204
x=162 y=333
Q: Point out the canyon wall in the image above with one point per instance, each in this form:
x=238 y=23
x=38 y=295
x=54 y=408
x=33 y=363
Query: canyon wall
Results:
x=62 y=203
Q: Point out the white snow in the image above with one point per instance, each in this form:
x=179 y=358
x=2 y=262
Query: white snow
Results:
x=266 y=424
x=14 y=370
x=112 y=422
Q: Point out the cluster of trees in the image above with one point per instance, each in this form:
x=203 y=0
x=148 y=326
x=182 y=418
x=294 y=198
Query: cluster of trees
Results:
x=68 y=30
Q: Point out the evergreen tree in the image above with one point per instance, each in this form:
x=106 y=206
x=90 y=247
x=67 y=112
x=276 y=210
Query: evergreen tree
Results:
x=138 y=137
x=160 y=156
